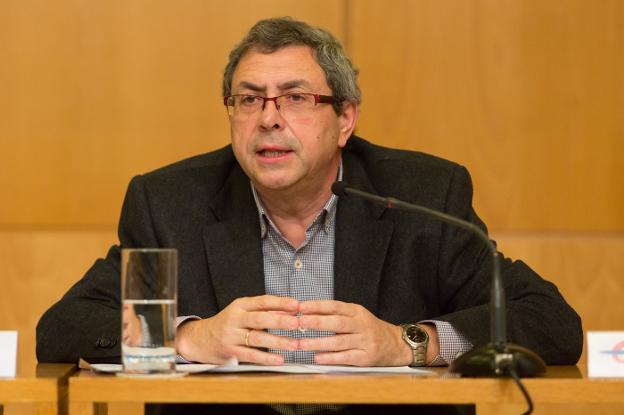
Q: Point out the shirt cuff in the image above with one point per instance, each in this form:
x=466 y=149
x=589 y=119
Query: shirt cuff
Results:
x=452 y=343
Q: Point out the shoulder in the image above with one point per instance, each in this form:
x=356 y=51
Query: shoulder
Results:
x=376 y=154
x=180 y=195
x=206 y=171
x=220 y=159
x=411 y=175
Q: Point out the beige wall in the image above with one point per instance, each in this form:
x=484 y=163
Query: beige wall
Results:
x=94 y=92
x=528 y=94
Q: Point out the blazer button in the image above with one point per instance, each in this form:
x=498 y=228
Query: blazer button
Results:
x=103 y=342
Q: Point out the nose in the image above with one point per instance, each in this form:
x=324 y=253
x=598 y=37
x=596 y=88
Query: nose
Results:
x=271 y=118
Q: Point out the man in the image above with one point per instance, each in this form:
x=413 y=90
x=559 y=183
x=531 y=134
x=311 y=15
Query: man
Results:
x=273 y=268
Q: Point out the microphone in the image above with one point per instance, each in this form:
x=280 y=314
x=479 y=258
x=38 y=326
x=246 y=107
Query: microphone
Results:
x=498 y=358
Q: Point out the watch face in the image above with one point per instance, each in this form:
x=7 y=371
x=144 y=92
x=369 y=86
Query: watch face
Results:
x=416 y=334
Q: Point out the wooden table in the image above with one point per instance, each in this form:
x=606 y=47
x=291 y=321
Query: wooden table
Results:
x=90 y=393
x=44 y=386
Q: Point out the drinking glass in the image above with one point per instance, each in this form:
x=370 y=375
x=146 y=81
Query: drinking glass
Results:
x=148 y=296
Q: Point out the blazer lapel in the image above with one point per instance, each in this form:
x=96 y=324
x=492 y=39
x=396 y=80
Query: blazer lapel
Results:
x=233 y=246
x=362 y=239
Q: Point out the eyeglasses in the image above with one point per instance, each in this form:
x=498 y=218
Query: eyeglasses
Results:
x=292 y=103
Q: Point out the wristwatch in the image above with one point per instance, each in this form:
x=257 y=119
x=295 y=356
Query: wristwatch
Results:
x=416 y=338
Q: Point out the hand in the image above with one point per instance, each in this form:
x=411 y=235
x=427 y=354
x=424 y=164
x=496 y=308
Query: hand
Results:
x=239 y=330
x=361 y=338
x=131 y=332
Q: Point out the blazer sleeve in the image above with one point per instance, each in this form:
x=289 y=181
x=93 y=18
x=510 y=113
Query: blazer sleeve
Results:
x=538 y=317
x=86 y=322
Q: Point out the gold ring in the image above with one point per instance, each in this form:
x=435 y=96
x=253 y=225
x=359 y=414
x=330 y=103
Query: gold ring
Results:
x=247 y=338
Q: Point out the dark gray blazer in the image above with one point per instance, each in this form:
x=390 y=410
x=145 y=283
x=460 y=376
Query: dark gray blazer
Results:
x=403 y=267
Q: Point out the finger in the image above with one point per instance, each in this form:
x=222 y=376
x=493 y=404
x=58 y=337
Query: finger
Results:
x=353 y=357
x=252 y=355
x=263 y=339
x=327 y=307
x=339 y=342
x=268 y=303
x=334 y=323
x=266 y=320
x=286 y=313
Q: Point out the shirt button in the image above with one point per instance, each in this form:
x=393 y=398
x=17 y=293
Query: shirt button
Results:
x=298 y=264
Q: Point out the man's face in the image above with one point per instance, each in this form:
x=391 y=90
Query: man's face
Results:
x=286 y=151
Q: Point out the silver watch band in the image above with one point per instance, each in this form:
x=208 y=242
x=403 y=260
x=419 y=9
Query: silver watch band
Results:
x=419 y=356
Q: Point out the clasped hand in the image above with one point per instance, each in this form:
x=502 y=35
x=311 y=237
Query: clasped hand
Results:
x=239 y=330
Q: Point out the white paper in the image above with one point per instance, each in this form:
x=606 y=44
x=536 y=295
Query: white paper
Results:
x=605 y=354
x=232 y=366
x=376 y=369
x=8 y=353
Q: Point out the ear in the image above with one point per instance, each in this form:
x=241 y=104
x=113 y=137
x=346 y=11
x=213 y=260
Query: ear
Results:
x=346 y=121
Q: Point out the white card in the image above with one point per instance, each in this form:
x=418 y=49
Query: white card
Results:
x=8 y=353
x=605 y=354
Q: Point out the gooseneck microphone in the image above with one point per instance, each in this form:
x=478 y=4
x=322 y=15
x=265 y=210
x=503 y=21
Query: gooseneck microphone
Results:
x=498 y=358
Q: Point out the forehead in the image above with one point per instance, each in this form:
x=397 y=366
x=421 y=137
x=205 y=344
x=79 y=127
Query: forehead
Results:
x=277 y=69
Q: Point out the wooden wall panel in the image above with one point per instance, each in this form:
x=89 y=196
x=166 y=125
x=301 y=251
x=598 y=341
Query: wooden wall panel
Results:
x=528 y=94
x=94 y=92
x=37 y=268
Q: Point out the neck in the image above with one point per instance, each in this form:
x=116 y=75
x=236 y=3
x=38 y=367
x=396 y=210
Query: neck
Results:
x=292 y=210
x=294 y=207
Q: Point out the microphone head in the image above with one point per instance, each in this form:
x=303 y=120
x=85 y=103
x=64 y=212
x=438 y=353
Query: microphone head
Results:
x=338 y=188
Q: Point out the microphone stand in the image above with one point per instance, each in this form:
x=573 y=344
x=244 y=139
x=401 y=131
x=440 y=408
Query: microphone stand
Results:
x=498 y=358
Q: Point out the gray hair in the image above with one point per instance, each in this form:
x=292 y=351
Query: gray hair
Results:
x=270 y=35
